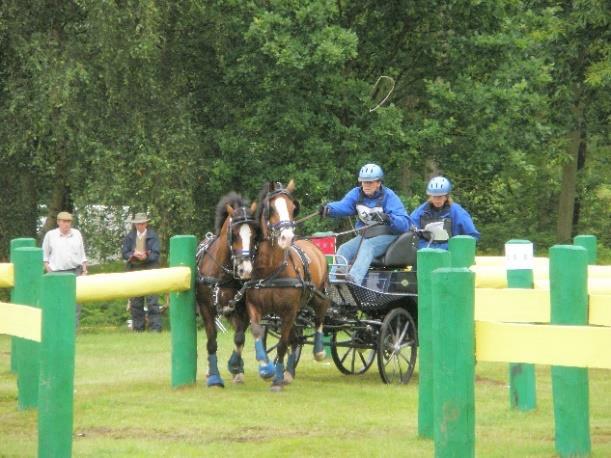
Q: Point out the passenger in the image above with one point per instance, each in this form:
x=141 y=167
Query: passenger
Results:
x=381 y=216
x=440 y=207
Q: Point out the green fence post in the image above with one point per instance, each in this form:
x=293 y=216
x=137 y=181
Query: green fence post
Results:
x=589 y=243
x=56 y=399
x=462 y=248
x=28 y=269
x=454 y=362
x=569 y=306
x=522 y=382
x=182 y=315
x=17 y=243
x=429 y=259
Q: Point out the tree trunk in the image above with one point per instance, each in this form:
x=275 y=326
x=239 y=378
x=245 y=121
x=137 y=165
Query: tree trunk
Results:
x=566 y=200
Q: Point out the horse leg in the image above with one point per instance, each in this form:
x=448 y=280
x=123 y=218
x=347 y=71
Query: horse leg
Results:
x=266 y=368
x=236 y=363
x=214 y=378
x=320 y=306
x=291 y=361
x=287 y=330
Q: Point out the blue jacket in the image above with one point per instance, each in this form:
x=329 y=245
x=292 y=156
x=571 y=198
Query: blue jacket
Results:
x=152 y=247
x=399 y=219
x=462 y=224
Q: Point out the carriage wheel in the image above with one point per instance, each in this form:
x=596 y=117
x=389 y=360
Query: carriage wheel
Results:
x=397 y=348
x=271 y=335
x=352 y=351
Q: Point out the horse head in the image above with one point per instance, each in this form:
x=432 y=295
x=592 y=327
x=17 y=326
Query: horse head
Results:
x=242 y=234
x=276 y=213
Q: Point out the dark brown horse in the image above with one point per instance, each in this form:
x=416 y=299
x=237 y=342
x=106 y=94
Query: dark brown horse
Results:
x=287 y=275
x=224 y=262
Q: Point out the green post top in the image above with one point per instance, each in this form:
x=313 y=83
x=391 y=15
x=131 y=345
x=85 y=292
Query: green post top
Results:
x=21 y=243
x=462 y=248
x=568 y=275
x=519 y=262
x=589 y=243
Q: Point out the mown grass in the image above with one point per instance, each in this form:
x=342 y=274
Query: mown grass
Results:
x=124 y=406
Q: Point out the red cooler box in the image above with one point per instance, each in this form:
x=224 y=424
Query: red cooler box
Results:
x=325 y=242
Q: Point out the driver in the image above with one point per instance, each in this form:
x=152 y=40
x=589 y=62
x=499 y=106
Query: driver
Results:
x=440 y=207
x=381 y=216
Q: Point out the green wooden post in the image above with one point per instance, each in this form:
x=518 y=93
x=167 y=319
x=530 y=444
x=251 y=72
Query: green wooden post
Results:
x=17 y=243
x=56 y=399
x=462 y=248
x=454 y=362
x=569 y=306
x=522 y=385
x=589 y=243
x=182 y=315
x=28 y=268
x=429 y=259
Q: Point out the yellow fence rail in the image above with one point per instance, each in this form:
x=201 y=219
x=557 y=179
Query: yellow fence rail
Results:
x=123 y=285
x=20 y=321
x=7 y=276
x=574 y=346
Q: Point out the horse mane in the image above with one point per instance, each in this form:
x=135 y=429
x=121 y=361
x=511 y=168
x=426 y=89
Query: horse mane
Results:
x=234 y=200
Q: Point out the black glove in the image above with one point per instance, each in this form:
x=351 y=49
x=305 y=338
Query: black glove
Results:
x=426 y=235
x=323 y=211
x=382 y=217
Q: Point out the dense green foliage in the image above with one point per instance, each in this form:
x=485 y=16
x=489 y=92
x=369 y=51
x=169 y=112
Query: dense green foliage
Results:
x=165 y=106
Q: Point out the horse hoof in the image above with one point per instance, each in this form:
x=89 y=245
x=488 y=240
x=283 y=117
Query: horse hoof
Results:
x=320 y=356
x=276 y=388
x=288 y=377
x=215 y=380
x=238 y=378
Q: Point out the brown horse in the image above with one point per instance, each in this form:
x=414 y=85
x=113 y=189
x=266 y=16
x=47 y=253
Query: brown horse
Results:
x=287 y=276
x=224 y=262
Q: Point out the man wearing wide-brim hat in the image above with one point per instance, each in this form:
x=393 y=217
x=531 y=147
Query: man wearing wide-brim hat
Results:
x=141 y=249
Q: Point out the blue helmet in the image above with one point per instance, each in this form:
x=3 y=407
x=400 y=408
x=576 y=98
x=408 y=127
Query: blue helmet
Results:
x=439 y=186
x=371 y=172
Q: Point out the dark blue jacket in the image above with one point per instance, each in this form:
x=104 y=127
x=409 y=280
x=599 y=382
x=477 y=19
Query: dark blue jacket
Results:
x=462 y=224
x=399 y=219
x=152 y=247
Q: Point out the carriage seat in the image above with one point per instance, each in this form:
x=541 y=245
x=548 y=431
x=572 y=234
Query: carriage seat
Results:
x=400 y=253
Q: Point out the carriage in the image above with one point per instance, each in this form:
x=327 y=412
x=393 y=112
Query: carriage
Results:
x=373 y=321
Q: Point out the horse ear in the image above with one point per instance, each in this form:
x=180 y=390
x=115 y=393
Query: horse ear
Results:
x=253 y=206
x=229 y=209
x=291 y=186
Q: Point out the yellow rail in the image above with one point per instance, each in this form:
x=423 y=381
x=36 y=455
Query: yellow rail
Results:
x=102 y=287
x=7 y=277
x=20 y=321
x=574 y=346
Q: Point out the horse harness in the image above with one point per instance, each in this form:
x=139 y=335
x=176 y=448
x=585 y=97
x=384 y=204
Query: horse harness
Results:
x=230 y=277
x=276 y=229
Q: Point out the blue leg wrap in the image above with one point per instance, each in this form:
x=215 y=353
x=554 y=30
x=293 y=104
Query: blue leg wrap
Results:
x=279 y=377
x=236 y=363
x=318 y=343
x=290 y=364
x=266 y=371
x=260 y=351
x=214 y=379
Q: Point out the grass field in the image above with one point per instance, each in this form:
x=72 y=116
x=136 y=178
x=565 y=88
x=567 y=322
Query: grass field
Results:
x=124 y=406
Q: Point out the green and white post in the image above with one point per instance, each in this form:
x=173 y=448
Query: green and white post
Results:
x=56 y=399
x=569 y=306
x=519 y=263
x=462 y=249
x=17 y=243
x=429 y=259
x=454 y=362
x=28 y=267
x=182 y=315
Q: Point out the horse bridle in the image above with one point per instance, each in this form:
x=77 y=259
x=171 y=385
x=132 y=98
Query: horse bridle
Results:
x=239 y=217
x=276 y=229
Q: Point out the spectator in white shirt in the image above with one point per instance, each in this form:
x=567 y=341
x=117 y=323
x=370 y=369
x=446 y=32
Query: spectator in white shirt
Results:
x=63 y=248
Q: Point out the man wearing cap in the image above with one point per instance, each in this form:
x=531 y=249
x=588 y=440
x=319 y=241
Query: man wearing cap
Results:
x=141 y=251
x=63 y=248
x=63 y=251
